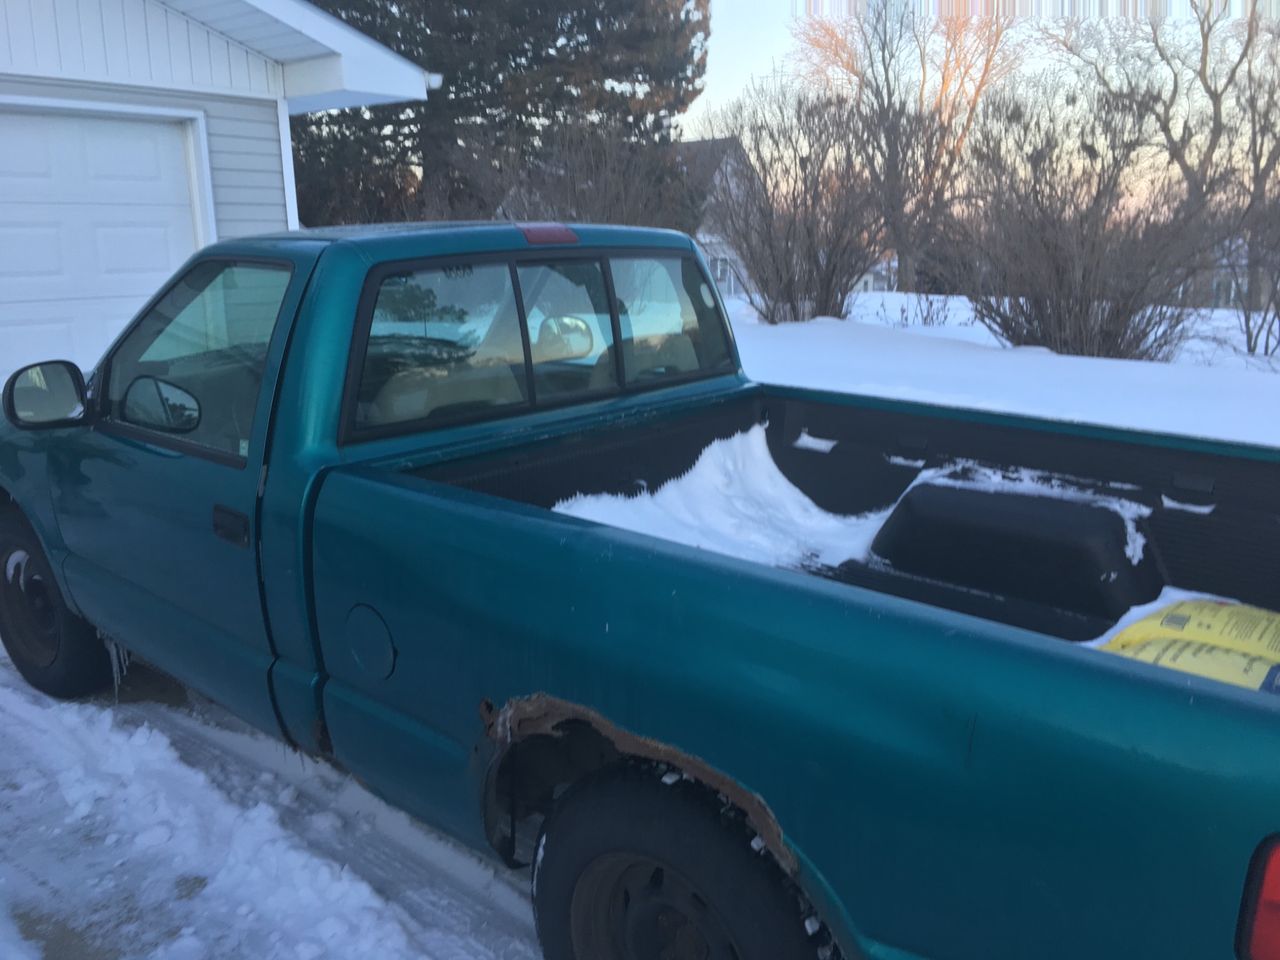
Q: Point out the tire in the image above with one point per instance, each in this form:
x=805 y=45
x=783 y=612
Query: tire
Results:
x=632 y=868
x=54 y=650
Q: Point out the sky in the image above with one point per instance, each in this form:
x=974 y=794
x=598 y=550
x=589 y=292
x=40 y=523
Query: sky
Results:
x=753 y=38
x=748 y=38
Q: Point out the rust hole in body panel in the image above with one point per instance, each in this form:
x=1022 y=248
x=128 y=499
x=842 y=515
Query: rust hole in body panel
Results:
x=542 y=715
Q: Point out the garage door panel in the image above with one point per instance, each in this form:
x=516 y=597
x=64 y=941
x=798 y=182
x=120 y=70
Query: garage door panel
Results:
x=89 y=251
x=28 y=154
x=29 y=250
x=77 y=330
x=32 y=342
x=130 y=249
x=77 y=159
x=95 y=215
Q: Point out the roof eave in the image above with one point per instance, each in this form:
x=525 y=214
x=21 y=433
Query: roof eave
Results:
x=358 y=71
x=353 y=80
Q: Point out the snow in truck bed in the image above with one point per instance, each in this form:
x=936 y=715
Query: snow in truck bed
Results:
x=734 y=500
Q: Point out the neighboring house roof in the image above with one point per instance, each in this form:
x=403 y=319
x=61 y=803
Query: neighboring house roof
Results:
x=702 y=160
x=326 y=63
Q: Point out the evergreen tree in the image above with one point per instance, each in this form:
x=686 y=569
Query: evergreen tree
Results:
x=512 y=70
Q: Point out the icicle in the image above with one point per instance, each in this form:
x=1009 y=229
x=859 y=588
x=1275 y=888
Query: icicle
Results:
x=119 y=662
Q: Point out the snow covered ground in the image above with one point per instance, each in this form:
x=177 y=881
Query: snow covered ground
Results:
x=160 y=828
x=1210 y=392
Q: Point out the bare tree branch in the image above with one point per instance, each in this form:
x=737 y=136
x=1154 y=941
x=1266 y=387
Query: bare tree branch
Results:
x=917 y=82
x=794 y=201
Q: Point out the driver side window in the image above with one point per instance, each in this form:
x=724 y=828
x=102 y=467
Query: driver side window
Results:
x=192 y=367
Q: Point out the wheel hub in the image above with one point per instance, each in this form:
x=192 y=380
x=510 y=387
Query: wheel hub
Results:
x=629 y=907
x=32 y=617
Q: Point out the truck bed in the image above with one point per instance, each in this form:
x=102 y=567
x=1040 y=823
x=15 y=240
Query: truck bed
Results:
x=1081 y=524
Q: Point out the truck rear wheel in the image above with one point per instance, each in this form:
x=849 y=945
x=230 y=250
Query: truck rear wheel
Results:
x=631 y=868
x=54 y=650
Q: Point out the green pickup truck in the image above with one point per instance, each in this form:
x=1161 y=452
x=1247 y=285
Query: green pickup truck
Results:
x=317 y=479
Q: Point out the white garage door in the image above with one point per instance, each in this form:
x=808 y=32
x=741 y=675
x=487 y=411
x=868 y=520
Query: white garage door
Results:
x=95 y=214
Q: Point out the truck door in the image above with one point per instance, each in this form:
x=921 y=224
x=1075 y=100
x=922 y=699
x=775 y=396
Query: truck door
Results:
x=157 y=502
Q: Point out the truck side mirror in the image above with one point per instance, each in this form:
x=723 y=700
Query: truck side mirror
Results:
x=45 y=395
x=563 y=338
x=160 y=405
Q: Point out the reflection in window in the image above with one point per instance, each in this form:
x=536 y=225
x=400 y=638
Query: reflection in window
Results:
x=570 y=329
x=205 y=341
x=444 y=344
x=236 y=307
x=671 y=326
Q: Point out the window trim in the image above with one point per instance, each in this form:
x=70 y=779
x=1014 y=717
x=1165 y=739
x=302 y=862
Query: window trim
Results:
x=349 y=434
x=105 y=424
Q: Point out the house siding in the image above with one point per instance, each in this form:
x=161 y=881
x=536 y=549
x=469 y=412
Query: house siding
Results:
x=137 y=42
x=245 y=164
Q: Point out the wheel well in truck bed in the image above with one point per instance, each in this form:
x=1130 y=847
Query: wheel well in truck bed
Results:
x=544 y=745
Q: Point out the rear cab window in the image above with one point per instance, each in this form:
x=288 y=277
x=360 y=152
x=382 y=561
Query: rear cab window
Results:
x=459 y=340
x=671 y=327
x=444 y=344
x=570 y=325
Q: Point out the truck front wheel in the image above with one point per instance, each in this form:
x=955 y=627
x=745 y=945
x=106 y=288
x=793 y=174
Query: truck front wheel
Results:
x=54 y=650
x=630 y=867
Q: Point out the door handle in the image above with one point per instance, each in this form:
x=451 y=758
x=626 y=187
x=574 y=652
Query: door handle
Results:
x=231 y=525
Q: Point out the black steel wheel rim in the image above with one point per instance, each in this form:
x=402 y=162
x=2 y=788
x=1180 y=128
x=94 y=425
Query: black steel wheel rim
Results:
x=28 y=610
x=627 y=906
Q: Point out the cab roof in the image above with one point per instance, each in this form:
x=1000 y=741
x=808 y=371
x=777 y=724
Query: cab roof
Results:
x=392 y=240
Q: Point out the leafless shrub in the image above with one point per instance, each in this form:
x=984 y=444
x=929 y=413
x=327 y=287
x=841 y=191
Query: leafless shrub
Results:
x=1253 y=264
x=901 y=321
x=1211 y=86
x=794 y=201
x=1071 y=240
x=597 y=173
x=931 y=311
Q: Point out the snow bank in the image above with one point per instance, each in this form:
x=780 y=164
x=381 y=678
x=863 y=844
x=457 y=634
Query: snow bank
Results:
x=928 y=364
x=1214 y=337
x=156 y=860
x=735 y=501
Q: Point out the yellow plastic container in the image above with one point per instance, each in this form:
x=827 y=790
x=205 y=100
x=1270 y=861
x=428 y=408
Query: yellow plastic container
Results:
x=1229 y=642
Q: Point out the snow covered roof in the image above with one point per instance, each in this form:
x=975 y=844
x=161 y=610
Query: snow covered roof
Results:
x=326 y=63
